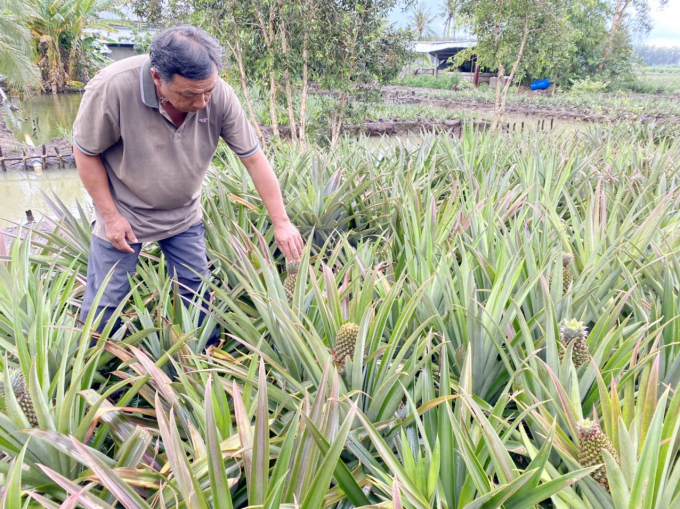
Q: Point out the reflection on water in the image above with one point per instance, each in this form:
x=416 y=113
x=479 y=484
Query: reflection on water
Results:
x=20 y=191
x=47 y=112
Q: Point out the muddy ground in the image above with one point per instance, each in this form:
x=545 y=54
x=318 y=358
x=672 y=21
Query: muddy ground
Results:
x=395 y=127
x=408 y=95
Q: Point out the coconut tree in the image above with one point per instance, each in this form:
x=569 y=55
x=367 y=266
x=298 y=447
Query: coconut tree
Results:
x=16 y=50
x=449 y=11
x=421 y=19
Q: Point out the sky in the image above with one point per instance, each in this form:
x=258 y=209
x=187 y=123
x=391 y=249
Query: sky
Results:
x=666 y=30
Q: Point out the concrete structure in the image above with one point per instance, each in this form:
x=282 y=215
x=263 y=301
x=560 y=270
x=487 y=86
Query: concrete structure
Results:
x=122 y=45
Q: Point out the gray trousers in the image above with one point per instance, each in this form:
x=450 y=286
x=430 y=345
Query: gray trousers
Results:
x=183 y=252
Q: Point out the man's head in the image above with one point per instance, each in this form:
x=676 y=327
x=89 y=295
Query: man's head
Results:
x=184 y=65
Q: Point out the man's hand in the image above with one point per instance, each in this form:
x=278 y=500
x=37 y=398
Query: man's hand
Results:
x=287 y=237
x=119 y=233
x=289 y=240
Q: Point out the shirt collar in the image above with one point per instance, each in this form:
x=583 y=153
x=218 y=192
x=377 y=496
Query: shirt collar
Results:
x=147 y=86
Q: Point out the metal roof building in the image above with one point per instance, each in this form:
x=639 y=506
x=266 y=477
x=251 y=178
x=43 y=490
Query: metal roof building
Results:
x=440 y=51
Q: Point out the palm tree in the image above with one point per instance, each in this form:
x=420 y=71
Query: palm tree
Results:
x=59 y=27
x=449 y=11
x=86 y=17
x=16 y=48
x=421 y=21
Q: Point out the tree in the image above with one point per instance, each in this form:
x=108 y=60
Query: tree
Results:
x=449 y=11
x=516 y=34
x=658 y=55
x=421 y=19
x=60 y=29
x=356 y=52
x=641 y=21
x=16 y=47
x=282 y=45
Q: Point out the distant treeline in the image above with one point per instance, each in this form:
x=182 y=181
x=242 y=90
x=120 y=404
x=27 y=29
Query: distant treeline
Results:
x=658 y=55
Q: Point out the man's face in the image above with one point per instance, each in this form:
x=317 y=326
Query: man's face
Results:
x=184 y=94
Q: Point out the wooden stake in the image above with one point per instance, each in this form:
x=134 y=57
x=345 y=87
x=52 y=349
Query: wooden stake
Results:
x=59 y=156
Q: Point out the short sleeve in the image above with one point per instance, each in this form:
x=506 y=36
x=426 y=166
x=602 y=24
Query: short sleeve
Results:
x=237 y=132
x=97 y=125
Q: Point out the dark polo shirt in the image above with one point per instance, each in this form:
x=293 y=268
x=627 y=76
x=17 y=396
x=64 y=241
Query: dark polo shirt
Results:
x=155 y=168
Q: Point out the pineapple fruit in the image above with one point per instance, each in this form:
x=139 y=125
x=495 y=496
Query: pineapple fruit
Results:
x=592 y=442
x=292 y=269
x=573 y=331
x=345 y=342
x=20 y=390
x=567 y=276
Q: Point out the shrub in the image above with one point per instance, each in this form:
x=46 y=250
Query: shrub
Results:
x=588 y=86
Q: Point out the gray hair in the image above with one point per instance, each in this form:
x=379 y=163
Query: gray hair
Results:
x=187 y=51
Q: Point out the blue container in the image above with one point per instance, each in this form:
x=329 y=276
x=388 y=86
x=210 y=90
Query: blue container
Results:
x=540 y=84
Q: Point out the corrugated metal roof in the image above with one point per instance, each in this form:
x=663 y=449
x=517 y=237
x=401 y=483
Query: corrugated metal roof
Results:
x=436 y=46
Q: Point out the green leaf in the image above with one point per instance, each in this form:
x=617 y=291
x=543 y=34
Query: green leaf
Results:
x=11 y=497
x=259 y=476
x=319 y=486
x=617 y=482
x=342 y=474
x=221 y=496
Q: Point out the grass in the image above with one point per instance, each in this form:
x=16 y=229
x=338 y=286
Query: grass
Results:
x=444 y=82
x=459 y=393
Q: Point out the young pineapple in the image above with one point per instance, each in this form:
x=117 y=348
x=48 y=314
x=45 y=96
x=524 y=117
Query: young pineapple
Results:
x=567 y=276
x=592 y=442
x=20 y=390
x=289 y=283
x=345 y=342
x=576 y=332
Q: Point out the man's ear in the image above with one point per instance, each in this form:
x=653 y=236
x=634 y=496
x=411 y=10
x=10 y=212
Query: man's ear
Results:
x=155 y=76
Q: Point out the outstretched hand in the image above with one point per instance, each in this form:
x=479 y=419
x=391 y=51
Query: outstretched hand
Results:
x=289 y=240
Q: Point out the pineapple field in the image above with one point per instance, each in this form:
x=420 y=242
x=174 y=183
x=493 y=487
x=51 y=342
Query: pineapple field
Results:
x=477 y=322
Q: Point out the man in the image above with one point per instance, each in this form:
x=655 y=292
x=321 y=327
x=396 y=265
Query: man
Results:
x=145 y=134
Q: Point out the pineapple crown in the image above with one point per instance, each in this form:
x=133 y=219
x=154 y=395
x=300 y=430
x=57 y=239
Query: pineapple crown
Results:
x=567 y=258
x=348 y=327
x=571 y=330
x=588 y=429
x=292 y=267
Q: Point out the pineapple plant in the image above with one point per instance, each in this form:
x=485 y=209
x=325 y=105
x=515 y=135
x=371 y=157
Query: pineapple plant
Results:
x=592 y=442
x=20 y=390
x=567 y=276
x=345 y=342
x=292 y=269
x=574 y=331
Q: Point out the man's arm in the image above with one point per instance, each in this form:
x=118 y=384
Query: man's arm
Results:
x=286 y=235
x=93 y=175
